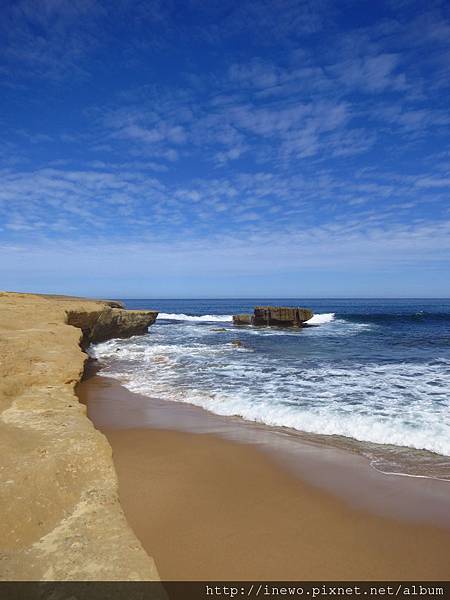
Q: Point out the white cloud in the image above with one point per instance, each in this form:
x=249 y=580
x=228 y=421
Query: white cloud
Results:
x=433 y=182
x=373 y=73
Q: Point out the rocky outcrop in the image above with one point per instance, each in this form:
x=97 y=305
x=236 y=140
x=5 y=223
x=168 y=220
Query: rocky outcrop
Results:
x=61 y=517
x=98 y=326
x=280 y=316
x=242 y=319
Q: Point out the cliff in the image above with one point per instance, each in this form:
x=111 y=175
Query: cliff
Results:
x=61 y=518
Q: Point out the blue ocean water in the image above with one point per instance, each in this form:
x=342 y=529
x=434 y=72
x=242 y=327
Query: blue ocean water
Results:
x=376 y=371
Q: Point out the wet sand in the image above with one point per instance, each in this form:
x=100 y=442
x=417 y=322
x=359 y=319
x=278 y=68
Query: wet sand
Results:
x=244 y=502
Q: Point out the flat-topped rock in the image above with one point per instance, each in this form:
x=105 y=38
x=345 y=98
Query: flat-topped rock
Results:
x=242 y=319
x=281 y=316
x=110 y=323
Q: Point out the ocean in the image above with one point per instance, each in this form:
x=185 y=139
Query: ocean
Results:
x=372 y=376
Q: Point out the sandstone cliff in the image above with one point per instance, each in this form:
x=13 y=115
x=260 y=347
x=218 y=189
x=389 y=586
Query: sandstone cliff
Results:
x=108 y=322
x=61 y=518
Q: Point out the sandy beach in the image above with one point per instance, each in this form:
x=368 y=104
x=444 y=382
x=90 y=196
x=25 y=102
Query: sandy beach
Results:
x=208 y=506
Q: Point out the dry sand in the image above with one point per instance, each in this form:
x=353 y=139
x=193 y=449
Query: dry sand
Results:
x=208 y=508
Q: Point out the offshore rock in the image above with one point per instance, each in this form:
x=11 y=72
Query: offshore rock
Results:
x=242 y=319
x=279 y=316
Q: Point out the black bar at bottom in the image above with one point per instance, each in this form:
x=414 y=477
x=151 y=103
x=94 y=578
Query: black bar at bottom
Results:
x=221 y=590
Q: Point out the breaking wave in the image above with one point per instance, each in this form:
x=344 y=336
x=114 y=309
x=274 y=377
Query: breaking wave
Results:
x=196 y=318
x=321 y=319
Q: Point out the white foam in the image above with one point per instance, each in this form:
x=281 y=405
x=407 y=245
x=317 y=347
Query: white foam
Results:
x=404 y=404
x=207 y=318
x=321 y=319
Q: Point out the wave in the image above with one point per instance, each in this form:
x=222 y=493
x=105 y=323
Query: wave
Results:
x=368 y=428
x=321 y=319
x=195 y=318
x=401 y=404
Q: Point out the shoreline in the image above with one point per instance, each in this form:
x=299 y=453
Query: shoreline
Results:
x=218 y=499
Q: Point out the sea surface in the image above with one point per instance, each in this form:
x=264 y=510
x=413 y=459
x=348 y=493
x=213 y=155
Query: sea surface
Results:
x=370 y=375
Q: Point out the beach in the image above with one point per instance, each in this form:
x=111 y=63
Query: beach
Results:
x=233 y=505
x=103 y=483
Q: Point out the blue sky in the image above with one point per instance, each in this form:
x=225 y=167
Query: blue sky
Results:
x=224 y=148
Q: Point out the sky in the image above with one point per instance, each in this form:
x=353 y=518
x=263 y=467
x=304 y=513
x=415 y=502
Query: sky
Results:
x=271 y=148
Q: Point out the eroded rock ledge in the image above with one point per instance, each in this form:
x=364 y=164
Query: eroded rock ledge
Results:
x=100 y=325
x=61 y=518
